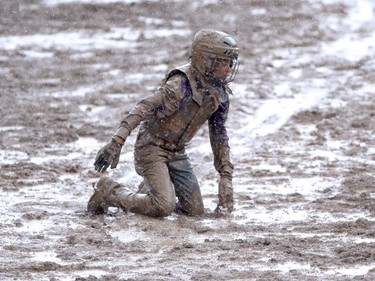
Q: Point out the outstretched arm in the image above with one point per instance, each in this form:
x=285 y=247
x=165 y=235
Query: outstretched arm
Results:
x=221 y=150
x=164 y=101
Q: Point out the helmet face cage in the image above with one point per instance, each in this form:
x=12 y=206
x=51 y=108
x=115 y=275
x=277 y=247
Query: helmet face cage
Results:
x=221 y=71
x=215 y=55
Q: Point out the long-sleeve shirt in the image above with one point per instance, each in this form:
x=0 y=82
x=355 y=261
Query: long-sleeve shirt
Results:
x=175 y=112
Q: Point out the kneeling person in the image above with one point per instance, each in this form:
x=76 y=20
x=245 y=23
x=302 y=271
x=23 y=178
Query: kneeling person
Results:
x=190 y=95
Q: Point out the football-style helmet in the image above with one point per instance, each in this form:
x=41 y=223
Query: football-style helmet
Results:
x=215 y=55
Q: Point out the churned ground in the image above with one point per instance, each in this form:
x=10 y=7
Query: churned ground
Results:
x=302 y=126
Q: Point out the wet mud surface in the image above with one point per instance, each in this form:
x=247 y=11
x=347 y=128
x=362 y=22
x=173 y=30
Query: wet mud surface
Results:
x=302 y=126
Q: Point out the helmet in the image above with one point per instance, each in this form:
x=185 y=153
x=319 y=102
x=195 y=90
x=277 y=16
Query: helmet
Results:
x=215 y=55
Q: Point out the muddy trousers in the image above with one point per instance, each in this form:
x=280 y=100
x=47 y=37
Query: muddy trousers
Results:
x=166 y=176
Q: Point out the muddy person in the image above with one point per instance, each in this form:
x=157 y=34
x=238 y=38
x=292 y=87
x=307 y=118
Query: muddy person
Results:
x=189 y=96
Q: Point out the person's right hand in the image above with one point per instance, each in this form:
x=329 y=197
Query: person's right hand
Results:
x=108 y=155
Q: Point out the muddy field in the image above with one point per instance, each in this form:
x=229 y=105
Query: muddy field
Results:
x=302 y=126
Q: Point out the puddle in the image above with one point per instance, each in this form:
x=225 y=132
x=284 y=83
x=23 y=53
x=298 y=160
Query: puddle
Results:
x=37 y=55
x=350 y=271
x=129 y=235
x=57 y=2
x=11 y=128
x=288 y=266
x=46 y=257
x=12 y=156
x=117 y=38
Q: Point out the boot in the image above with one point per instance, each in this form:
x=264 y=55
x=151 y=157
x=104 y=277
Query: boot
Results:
x=104 y=196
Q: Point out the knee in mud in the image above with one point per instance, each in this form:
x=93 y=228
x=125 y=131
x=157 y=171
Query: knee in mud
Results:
x=191 y=211
x=197 y=211
x=163 y=210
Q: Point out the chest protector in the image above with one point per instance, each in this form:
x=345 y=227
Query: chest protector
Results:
x=194 y=109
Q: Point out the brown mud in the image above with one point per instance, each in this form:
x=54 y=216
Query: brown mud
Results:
x=304 y=191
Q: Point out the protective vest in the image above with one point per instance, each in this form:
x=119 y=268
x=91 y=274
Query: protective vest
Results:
x=195 y=109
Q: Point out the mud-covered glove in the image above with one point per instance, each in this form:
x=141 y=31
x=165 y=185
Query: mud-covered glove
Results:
x=225 y=194
x=108 y=155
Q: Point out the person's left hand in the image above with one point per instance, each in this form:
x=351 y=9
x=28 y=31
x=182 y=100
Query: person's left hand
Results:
x=225 y=194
